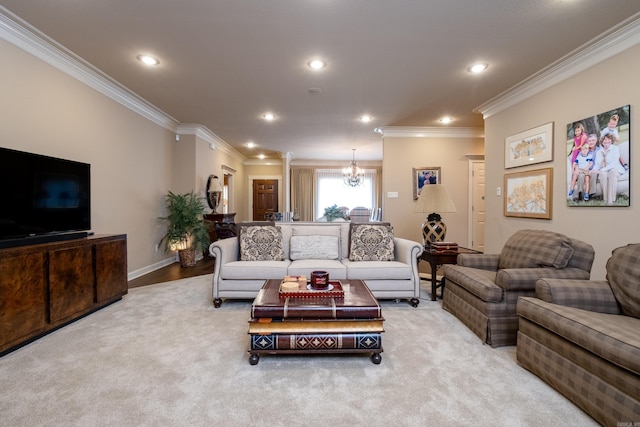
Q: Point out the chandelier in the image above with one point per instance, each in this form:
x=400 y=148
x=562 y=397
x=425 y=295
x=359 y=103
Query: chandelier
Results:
x=352 y=174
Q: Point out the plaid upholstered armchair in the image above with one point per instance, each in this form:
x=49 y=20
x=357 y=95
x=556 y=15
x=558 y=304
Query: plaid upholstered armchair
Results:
x=581 y=337
x=482 y=289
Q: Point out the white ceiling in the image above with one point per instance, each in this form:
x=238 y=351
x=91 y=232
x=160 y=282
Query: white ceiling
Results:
x=223 y=63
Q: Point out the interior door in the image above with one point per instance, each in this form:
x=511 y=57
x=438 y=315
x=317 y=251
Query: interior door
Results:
x=477 y=207
x=265 y=197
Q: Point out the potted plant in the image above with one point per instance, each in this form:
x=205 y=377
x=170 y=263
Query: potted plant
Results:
x=187 y=230
x=332 y=212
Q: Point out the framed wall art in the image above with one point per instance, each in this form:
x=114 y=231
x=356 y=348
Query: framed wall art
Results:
x=528 y=194
x=529 y=147
x=424 y=176
x=598 y=167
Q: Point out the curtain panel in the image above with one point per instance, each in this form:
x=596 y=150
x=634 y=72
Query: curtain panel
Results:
x=303 y=193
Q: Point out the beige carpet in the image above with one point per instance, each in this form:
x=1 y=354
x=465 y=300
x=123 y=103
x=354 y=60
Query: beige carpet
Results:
x=164 y=356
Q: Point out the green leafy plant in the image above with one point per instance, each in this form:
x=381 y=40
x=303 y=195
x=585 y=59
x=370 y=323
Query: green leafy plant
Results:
x=187 y=228
x=332 y=212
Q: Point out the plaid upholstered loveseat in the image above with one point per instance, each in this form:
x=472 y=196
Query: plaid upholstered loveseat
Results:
x=582 y=338
x=482 y=289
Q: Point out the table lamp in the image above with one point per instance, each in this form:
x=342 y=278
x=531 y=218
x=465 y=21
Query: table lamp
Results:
x=214 y=192
x=434 y=198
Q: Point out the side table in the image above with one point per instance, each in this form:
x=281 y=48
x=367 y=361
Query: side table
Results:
x=437 y=259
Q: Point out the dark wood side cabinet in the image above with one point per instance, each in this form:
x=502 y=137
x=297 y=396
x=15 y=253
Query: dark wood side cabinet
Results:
x=222 y=225
x=45 y=286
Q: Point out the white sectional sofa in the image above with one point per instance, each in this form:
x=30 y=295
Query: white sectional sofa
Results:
x=310 y=246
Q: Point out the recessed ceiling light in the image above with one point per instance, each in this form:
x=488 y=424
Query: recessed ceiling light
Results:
x=317 y=64
x=269 y=117
x=365 y=118
x=478 y=68
x=251 y=144
x=446 y=120
x=261 y=156
x=148 y=60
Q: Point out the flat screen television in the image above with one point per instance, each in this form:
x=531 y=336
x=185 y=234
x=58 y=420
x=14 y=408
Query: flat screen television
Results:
x=42 y=198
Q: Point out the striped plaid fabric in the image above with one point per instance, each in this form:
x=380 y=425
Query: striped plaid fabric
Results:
x=526 y=278
x=592 y=295
x=477 y=296
x=481 y=283
x=613 y=338
x=481 y=261
x=360 y=214
x=591 y=358
x=604 y=402
x=583 y=255
x=536 y=248
x=623 y=274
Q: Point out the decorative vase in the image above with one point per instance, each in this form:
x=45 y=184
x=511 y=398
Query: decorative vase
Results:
x=187 y=257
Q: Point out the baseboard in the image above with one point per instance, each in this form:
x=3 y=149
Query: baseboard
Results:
x=150 y=268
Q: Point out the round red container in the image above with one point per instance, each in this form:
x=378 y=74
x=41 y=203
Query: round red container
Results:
x=319 y=280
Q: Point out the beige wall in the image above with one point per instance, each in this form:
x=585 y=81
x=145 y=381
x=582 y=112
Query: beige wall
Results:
x=262 y=172
x=207 y=161
x=134 y=162
x=596 y=90
x=401 y=155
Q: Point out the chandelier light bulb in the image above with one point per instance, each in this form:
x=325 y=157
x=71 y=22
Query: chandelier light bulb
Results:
x=353 y=176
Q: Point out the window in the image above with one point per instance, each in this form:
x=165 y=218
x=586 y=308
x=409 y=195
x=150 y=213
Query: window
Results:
x=331 y=190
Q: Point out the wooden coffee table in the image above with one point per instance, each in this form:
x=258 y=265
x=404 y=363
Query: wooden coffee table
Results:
x=317 y=325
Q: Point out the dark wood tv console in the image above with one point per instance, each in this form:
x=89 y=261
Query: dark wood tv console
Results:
x=45 y=286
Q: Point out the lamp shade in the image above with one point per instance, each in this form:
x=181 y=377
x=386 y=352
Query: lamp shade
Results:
x=213 y=183
x=434 y=198
x=214 y=192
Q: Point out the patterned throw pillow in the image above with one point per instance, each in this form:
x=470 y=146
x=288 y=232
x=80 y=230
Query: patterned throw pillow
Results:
x=371 y=243
x=261 y=243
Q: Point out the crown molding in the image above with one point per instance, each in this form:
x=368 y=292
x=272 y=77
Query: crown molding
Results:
x=21 y=34
x=430 y=132
x=263 y=162
x=202 y=132
x=599 y=49
x=320 y=164
x=27 y=38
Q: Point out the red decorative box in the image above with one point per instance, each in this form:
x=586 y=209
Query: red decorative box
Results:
x=334 y=290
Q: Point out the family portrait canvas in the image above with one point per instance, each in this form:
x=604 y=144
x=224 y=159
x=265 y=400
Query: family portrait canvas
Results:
x=598 y=168
x=424 y=176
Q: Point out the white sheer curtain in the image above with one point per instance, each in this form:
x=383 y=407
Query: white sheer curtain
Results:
x=331 y=190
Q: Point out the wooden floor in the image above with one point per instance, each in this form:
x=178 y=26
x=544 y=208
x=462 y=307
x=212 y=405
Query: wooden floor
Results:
x=174 y=272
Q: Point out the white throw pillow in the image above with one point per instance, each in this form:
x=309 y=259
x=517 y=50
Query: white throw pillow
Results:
x=314 y=247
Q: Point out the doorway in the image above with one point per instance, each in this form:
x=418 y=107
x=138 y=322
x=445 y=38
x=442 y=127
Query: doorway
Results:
x=477 y=203
x=265 y=197
x=228 y=202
